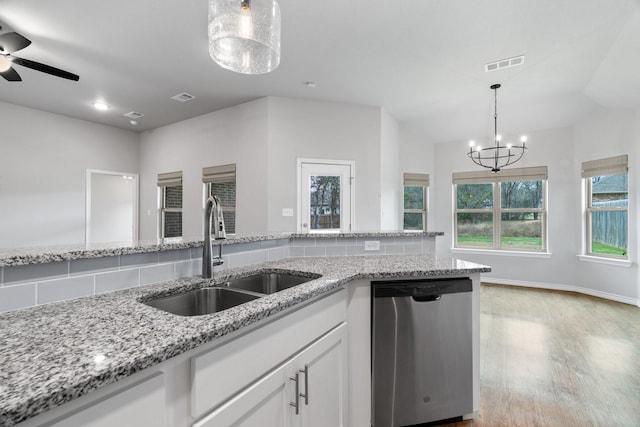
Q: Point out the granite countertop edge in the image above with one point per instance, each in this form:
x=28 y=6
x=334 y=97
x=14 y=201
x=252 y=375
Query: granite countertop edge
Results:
x=132 y=336
x=26 y=256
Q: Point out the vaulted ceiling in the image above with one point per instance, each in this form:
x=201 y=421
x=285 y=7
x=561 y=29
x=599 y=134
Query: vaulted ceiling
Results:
x=421 y=60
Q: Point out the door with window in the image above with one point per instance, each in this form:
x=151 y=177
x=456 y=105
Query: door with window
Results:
x=325 y=196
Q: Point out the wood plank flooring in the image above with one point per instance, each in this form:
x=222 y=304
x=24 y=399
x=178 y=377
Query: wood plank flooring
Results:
x=557 y=359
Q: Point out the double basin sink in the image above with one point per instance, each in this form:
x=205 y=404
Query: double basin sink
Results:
x=235 y=291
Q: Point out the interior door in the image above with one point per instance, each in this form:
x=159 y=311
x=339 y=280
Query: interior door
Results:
x=112 y=207
x=325 y=197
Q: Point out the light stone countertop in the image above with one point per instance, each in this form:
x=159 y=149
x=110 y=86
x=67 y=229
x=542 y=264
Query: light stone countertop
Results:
x=48 y=353
x=39 y=255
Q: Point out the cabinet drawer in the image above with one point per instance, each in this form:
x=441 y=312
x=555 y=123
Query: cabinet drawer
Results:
x=140 y=404
x=222 y=372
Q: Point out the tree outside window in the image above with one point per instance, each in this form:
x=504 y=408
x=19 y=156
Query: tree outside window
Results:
x=415 y=201
x=501 y=211
x=325 y=202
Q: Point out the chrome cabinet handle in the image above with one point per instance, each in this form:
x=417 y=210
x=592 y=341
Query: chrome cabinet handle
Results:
x=306 y=384
x=296 y=404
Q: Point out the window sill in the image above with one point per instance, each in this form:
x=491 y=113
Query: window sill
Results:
x=501 y=253
x=603 y=260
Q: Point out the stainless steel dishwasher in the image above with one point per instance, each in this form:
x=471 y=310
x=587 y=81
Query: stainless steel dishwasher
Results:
x=422 y=351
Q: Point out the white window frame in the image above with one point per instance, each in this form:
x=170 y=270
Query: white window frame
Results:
x=617 y=165
x=495 y=179
x=416 y=180
x=171 y=179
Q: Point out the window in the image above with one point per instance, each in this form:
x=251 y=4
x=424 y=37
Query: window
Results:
x=170 y=191
x=221 y=181
x=415 y=201
x=503 y=211
x=607 y=203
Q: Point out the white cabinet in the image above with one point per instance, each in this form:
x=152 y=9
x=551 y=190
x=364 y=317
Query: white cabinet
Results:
x=271 y=401
x=322 y=381
x=241 y=380
x=263 y=404
x=141 y=404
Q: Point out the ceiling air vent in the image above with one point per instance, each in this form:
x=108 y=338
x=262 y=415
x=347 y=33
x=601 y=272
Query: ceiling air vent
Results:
x=133 y=115
x=504 y=63
x=183 y=97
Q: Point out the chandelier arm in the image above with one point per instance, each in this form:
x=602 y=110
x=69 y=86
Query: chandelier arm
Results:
x=498 y=156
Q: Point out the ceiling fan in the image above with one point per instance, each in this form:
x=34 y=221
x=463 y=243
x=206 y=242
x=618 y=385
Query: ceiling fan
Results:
x=13 y=42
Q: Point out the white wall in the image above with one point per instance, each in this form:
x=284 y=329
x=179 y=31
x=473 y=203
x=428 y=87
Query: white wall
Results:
x=322 y=130
x=234 y=135
x=416 y=155
x=43 y=163
x=604 y=134
x=265 y=138
x=607 y=134
x=390 y=175
x=552 y=148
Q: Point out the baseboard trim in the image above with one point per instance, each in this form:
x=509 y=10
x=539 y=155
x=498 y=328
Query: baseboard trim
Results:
x=563 y=287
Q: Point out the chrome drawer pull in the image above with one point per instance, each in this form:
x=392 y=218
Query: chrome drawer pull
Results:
x=306 y=384
x=296 y=404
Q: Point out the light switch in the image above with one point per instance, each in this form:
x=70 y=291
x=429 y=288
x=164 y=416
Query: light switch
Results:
x=287 y=211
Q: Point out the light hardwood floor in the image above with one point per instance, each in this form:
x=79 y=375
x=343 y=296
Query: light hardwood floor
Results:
x=557 y=359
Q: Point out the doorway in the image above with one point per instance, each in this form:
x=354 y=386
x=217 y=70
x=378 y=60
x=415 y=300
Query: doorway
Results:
x=325 y=196
x=111 y=208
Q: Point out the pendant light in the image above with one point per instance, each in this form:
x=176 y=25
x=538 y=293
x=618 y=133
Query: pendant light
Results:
x=497 y=156
x=244 y=35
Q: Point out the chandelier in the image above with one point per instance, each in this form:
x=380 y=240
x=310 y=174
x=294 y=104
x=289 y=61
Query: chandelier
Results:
x=244 y=35
x=497 y=156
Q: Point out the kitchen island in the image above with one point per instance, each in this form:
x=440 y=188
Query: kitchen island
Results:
x=54 y=354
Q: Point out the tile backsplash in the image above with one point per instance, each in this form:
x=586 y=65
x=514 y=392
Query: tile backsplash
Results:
x=35 y=284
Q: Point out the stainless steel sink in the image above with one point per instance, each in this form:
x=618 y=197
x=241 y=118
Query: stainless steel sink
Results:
x=268 y=283
x=201 y=301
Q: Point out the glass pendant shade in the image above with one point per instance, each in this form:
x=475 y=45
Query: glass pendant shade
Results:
x=244 y=35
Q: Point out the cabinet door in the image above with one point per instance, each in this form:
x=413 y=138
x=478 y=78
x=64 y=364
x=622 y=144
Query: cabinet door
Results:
x=325 y=381
x=263 y=404
x=140 y=405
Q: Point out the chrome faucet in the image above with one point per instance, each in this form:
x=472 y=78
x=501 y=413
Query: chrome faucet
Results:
x=212 y=213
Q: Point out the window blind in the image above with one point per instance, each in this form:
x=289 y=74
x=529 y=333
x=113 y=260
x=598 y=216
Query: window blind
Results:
x=609 y=166
x=170 y=179
x=224 y=173
x=516 y=174
x=416 y=179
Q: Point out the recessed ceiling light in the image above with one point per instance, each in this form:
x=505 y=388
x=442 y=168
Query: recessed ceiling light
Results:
x=99 y=105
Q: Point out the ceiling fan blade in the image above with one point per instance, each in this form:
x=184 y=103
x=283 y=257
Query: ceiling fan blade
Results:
x=12 y=42
x=45 y=68
x=11 y=75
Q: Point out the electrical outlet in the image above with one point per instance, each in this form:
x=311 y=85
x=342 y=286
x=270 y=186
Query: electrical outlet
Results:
x=287 y=211
x=372 y=245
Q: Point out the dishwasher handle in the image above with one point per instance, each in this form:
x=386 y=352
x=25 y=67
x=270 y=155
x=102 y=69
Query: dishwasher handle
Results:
x=426 y=298
x=421 y=290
